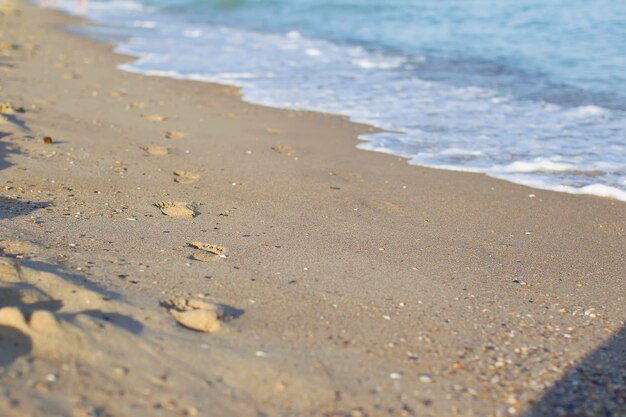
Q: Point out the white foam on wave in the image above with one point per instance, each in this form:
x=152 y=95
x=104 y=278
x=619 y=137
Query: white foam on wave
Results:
x=539 y=165
x=598 y=190
x=192 y=33
x=128 y=5
x=380 y=63
x=313 y=52
x=603 y=191
x=293 y=35
x=589 y=111
x=145 y=24
x=461 y=152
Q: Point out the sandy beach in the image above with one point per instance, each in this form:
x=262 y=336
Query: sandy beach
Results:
x=167 y=249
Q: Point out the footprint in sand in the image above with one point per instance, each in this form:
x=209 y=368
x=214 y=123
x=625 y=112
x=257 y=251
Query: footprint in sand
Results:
x=185 y=177
x=8 y=47
x=154 y=150
x=384 y=205
x=208 y=247
x=347 y=175
x=69 y=76
x=153 y=117
x=175 y=134
x=211 y=253
x=273 y=131
x=196 y=315
x=284 y=150
x=176 y=209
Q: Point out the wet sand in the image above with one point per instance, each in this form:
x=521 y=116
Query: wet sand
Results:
x=173 y=251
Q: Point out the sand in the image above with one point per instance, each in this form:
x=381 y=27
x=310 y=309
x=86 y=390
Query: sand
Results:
x=354 y=284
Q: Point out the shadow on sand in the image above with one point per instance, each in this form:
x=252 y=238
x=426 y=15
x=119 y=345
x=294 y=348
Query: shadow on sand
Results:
x=28 y=298
x=4 y=151
x=11 y=207
x=13 y=344
x=596 y=387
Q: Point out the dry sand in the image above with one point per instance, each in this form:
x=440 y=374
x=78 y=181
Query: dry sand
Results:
x=353 y=284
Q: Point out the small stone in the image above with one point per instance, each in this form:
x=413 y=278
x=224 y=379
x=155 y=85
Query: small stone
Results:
x=47 y=140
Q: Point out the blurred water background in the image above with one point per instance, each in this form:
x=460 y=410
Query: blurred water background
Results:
x=531 y=91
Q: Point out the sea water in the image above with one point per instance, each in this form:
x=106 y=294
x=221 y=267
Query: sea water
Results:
x=530 y=91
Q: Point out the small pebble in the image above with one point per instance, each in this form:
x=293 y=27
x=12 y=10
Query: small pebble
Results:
x=425 y=378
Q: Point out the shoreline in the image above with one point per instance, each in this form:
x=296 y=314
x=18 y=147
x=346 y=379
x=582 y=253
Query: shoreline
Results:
x=522 y=171
x=361 y=282
x=595 y=190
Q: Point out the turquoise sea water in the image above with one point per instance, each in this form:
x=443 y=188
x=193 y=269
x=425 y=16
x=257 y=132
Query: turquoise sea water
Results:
x=525 y=90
